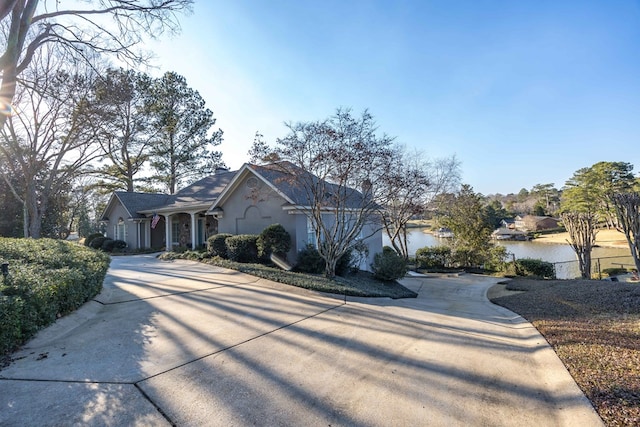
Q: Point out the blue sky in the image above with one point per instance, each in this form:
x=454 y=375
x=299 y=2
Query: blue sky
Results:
x=522 y=92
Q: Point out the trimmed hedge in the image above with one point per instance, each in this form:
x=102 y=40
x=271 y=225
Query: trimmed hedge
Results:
x=90 y=237
x=274 y=240
x=434 y=257
x=242 y=248
x=217 y=244
x=47 y=279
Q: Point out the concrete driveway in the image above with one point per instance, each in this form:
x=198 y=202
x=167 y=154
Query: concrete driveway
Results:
x=183 y=343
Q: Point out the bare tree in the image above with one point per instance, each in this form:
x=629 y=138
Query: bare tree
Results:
x=338 y=164
x=407 y=187
x=28 y=25
x=46 y=142
x=627 y=206
x=582 y=234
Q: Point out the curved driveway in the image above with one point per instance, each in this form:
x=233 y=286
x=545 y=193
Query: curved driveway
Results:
x=183 y=343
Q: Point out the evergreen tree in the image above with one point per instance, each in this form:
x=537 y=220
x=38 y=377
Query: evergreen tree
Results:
x=183 y=149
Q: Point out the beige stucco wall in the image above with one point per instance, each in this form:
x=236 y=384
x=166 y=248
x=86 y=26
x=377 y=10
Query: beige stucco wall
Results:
x=250 y=210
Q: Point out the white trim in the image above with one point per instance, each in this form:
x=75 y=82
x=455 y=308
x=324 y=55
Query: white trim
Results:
x=194 y=231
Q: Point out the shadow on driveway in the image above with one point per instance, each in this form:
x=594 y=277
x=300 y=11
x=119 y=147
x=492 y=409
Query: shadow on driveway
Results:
x=183 y=343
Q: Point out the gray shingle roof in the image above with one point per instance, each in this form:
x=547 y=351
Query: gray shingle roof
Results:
x=294 y=182
x=135 y=202
x=204 y=191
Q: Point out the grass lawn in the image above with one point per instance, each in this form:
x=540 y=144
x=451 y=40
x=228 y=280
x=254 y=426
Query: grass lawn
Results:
x=594 y=327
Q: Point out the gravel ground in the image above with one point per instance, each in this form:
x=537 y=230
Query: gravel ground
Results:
x=594 y=327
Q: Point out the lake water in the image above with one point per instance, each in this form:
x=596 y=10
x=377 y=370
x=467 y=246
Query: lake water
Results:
x=561 y=255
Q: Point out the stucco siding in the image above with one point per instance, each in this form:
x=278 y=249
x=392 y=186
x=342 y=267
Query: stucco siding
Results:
x=252 y=208
x=117 y=214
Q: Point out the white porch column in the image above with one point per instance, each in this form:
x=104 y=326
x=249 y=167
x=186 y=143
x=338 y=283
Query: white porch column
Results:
x=167 y=233
x=147 y=234
x=194 y=231
x=138 y=231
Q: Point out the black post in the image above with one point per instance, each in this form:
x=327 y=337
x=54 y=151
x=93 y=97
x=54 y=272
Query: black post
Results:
x=5 y=269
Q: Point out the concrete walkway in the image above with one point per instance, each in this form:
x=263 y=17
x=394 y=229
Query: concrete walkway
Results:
x=183 y=343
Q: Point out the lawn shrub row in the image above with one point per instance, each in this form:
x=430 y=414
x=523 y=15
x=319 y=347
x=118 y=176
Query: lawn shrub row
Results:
x=106 y=244
x=47 y=279
x=274 y=239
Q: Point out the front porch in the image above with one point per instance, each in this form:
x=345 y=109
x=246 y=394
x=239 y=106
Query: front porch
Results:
x=183 y=230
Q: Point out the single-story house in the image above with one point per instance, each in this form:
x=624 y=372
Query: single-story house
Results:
x=241 y=202
x=509 y=223
x=504 y=233
x=535 y=223
x=140 y=219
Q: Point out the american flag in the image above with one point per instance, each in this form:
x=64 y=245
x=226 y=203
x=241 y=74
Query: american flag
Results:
x=155 y=220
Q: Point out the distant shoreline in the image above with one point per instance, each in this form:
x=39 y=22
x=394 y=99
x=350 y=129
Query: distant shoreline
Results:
x=605 y=238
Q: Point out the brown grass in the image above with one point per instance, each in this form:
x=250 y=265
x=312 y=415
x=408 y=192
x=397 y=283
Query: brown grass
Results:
x=594 y=327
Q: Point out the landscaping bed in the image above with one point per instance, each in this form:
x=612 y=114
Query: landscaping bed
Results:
x=361 y=284
x=594 y=327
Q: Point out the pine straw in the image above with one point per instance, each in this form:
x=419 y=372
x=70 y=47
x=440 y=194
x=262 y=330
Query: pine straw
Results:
x=594 y=327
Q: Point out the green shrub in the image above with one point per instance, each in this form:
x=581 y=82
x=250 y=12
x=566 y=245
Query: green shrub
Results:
x=273 y=240
x=343 y=266
x=97 y=242
x=119 y=245
x=107 y=244
x=217 y=246
x=496 y=259
x=535 y=267
x=433 y=257
x=242 y=248
x=310 y=261
x=47 y=278
x=388 y=265
x=90 y=237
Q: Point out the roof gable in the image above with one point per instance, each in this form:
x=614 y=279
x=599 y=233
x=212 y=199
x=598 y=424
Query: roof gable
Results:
x=288 y=180
x=134 y=202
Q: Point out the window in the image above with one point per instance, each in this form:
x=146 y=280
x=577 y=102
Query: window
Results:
x=311 y=233
x=175 y=232
x=121 y=230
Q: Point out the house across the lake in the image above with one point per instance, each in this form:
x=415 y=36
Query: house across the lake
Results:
x=239 y=202
x=535 y=223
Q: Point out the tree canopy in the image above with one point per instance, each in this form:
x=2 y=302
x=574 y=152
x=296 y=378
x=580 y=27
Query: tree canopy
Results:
x=26 y=26
x=464 y=213
x=49 y=144
x=119 y=113
x=590 y=189
x=183 y=147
